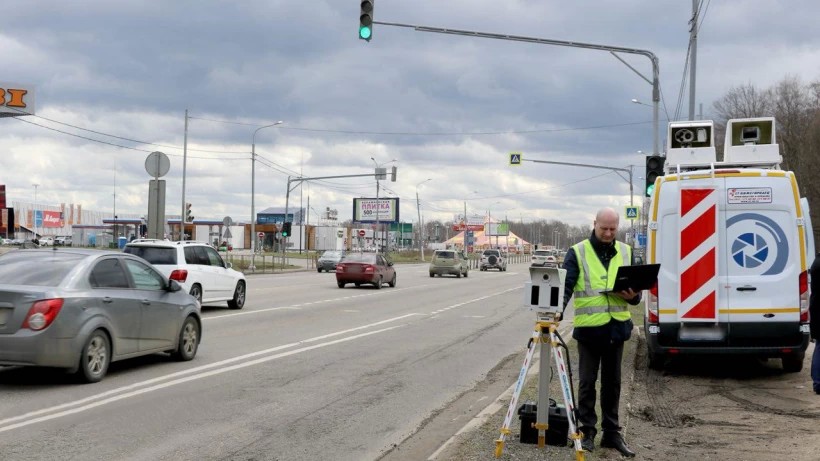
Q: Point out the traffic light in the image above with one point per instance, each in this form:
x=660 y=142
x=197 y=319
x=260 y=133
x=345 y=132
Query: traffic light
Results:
x=188 y=216
x=366 y=20
x=654 y=168
x=393 y=172
x=286 y=229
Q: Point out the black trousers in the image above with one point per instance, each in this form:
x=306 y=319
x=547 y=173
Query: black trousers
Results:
x=592 y=356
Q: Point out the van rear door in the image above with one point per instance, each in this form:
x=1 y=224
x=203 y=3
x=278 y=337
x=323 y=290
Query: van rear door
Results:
x=762 y=252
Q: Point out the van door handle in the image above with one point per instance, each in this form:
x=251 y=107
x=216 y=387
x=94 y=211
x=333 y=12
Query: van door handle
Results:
x=746 y=288
x=107 y=300
x=146 y=302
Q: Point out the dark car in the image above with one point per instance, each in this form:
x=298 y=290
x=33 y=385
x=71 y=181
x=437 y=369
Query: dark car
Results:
x=81 y=309
x=365 y=268
x=328 y=260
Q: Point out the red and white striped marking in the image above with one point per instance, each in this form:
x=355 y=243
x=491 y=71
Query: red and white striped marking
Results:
x=698 y=255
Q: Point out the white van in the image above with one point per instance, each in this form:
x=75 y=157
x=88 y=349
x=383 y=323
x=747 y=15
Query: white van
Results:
x=734 y=240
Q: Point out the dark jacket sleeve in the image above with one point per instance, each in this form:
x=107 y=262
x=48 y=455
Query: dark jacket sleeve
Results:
x=814 y=298
x=571 y=265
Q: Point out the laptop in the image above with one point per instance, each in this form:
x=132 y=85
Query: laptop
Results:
x=639 y=277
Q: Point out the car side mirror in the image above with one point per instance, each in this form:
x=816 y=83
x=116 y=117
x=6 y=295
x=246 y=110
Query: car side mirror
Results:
x=228 y=265
x=389 y=263
x=174 y=286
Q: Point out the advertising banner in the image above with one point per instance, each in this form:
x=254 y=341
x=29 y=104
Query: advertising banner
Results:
x=473 y=223
x=365 y=210
x=52 y=219
x=497 y=229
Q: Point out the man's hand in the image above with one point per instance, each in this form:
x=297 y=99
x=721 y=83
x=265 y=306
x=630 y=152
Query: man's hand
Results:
x=627 y=294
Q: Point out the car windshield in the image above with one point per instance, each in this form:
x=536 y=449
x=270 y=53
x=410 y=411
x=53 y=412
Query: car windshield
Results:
x=491 y=252
x=154 y=255
x=366 y=258
x=542 y=253
x=40 y=269
x=331 y=255
x=445 y=254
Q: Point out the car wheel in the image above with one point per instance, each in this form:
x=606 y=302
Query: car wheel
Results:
x=458 y=274
x=466 y=273
x=392 y=283
x=319 y=270
x=340 y=284
x=95 y=357
x=238 y=301
x=432 y=275
x=655 y=361
x=379 y=283
x=188 y=341
x=196 y=292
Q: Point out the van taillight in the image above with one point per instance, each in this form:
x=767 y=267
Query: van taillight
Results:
x=180 y=275
x=652 y=304
x=804 y=296
x=42 y=313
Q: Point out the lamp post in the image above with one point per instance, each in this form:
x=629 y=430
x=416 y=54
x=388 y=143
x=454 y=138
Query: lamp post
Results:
x=418 y=210
x=378 y=205
x=253 y=185
x=34 y=213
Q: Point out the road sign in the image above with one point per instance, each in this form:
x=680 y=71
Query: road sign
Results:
x=361 y=232
x=515 y=158
x=339 y=233
x=227 y=234
x=632 y=212
x=260 y=234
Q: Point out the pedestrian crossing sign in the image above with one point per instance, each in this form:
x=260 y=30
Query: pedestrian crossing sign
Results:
x=631 y=212
x=515 y=158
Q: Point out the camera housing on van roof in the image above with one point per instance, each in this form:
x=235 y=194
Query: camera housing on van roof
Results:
x=752 y=141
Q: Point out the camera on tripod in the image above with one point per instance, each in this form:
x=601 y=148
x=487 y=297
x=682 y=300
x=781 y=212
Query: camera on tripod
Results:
x=544 y=293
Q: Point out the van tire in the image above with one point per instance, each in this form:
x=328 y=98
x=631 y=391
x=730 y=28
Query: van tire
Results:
x=793 y=363
x=655 y=360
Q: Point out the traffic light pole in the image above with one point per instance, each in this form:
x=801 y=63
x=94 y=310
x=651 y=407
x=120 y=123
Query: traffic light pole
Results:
x=616 y=170
x=298 y=181
x=656 y=94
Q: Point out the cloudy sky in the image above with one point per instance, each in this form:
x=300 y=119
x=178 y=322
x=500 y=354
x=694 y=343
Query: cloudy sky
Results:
x=113 y=81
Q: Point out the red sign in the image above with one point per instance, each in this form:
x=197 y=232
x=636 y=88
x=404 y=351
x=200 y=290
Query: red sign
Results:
x=53 y=219
x=2 y=196
x=361 y=232
x=260 y=234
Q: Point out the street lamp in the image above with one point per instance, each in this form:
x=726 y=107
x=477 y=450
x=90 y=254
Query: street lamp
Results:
x=34 y=214
x=421 y=229
x=378 y=207
x=635 y=101
x=253 y=185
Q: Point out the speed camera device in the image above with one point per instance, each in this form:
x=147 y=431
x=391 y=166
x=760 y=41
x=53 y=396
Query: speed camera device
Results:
x=544 y=292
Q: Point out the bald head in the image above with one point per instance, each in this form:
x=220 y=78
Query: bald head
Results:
x=606 y=225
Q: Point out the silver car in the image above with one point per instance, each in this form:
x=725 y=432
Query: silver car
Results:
x=329 y=260
x=82 y=309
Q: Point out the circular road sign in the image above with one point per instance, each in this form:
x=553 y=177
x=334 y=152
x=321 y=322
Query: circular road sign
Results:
x=157 y=164
x=361 y=232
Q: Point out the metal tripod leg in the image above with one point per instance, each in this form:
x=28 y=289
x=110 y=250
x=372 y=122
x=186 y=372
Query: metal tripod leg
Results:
x=566 y=390
x=522 y=376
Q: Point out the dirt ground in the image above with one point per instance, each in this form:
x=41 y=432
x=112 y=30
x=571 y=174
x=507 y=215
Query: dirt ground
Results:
x=726 y=408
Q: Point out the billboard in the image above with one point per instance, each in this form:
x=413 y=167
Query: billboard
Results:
x=497 y=229
x=365 y=210
x=473 y=223
x=16 y=99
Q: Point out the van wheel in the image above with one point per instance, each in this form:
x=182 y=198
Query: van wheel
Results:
x=95 y=357
x=792 y=363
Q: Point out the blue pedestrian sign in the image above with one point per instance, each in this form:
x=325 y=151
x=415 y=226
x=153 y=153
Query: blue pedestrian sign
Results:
x=515 y=158
x=631 y=212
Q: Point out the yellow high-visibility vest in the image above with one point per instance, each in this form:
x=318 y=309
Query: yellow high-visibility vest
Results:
x=592 y=308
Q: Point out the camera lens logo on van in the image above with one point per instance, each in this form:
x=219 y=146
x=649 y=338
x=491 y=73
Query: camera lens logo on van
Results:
x=760 y=243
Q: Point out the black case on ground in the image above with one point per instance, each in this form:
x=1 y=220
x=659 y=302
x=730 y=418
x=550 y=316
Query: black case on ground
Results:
x=558 y=430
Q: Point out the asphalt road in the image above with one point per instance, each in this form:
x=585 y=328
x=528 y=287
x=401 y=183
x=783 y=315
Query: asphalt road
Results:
x=305 y=371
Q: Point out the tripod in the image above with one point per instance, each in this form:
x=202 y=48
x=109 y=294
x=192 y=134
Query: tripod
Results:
x=545 y=333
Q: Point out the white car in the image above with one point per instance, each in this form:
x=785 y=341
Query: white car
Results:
x=197 y=266
x=46 y=241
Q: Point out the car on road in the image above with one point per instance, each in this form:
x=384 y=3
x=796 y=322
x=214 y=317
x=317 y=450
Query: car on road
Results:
x=493 y=258
x=197 y=266
x=450 y=262
x=365 y=268
x=64 y=240
x=46 y=241
x=329 y=260
x=82 y=309
x=544 y=258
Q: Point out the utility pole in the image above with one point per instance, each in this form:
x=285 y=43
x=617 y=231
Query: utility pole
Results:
x=184 y=168
x=693 y=57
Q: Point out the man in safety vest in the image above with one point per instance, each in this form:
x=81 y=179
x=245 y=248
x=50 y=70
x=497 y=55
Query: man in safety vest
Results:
x=602 y=324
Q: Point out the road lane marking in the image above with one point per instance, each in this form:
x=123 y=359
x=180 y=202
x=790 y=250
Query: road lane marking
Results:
x=5 y=428
x=198 y=369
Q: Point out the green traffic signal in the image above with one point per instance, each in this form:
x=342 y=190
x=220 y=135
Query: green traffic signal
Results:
x=649 y=190
x=365 y=32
